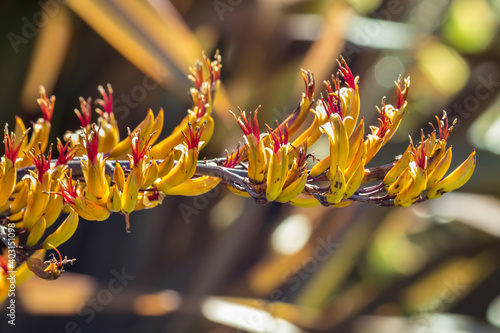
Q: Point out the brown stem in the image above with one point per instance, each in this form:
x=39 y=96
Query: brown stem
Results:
x=237 y=175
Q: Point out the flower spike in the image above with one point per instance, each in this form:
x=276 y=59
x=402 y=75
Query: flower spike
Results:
x=97 y=174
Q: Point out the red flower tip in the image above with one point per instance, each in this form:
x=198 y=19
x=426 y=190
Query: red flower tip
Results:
x=234 y=159
x=200 y=103
x=301 y=154
x=204 y=88
x=196 y=74
x=444 y=127
x=139 y=149
x=85 y=115
x=68 y=191
x=247 y=126
x=214 y=67
x=309 y=82
x=332 y=103
x=402 y=91
x=154 y=196
x=107 y=99
x=193 y=140
x=346 y=73
x=41 y=163
x=420 y=153
x=279 y=138
x=46 y=104
x=66 y=154
x=59 y=264
x=91 y=142
x=384 y=120
x=11 y=150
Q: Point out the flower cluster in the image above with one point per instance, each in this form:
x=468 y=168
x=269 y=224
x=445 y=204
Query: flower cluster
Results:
x=276 y=167
x=98 y=173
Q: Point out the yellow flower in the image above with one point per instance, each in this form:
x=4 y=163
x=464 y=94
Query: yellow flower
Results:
x=93 y=167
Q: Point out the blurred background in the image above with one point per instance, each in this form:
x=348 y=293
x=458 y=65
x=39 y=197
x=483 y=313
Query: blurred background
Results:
x=220 y=263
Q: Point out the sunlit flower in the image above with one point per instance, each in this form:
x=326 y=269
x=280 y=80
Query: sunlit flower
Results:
x=93 y=166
